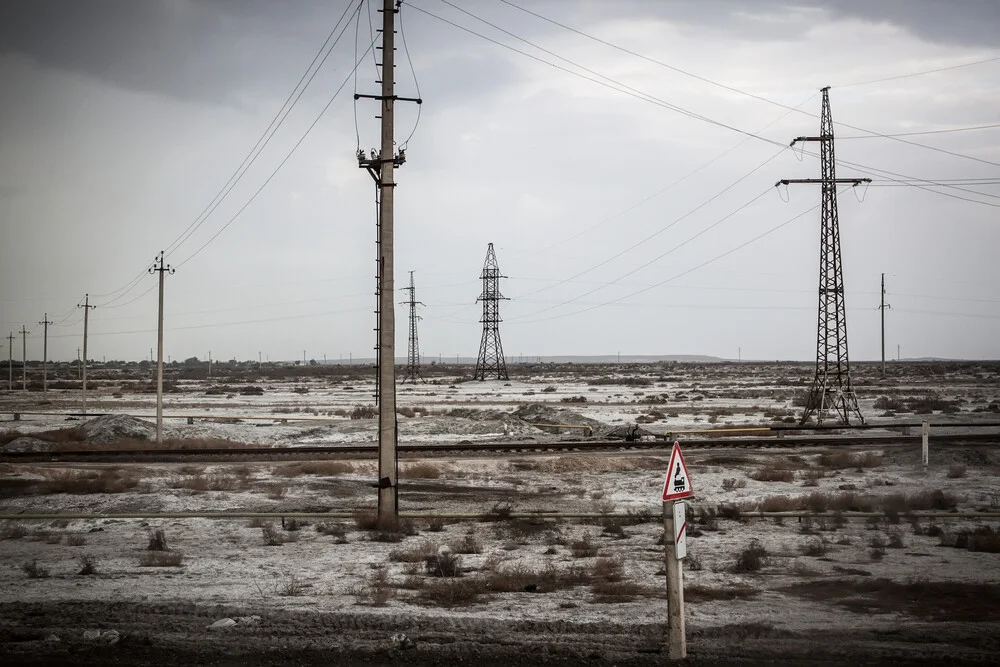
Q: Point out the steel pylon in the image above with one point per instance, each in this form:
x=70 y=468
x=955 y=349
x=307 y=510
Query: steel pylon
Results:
x=491 y=362
x=831 y=390
x=412 y=373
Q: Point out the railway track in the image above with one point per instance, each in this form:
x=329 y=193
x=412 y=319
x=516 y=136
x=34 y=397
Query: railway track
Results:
x=152 y=455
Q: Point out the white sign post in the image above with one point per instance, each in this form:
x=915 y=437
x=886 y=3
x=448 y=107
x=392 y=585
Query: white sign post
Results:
x=925 y=432
x=676 y=486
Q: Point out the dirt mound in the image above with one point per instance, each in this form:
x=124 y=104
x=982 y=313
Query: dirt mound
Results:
x=28 y=444
x=112 y=428
x=539 y=413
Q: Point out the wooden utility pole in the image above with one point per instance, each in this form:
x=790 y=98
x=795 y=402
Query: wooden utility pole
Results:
x=882 y=306
x=159 y=267
x=45 y=353
x=10 y=361
x=380 y=166
x=24 y=358
x=86 y=320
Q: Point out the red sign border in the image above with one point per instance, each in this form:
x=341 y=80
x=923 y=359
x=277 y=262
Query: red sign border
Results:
x=684 y=494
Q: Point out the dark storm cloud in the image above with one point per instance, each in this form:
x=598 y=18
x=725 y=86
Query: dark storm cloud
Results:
x=204 y=51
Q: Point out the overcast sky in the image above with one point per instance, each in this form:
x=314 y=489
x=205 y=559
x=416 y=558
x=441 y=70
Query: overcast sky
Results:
x=121 y=121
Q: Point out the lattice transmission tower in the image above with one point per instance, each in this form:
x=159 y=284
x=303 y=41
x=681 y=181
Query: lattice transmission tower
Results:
x=831 y=389
x=491 y=361
x=413 y=348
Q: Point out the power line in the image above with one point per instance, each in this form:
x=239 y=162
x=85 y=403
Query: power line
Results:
x=923 y=132
x=279 y=118
x=614 y=85
x=682 y=273
x=743 y=92
x=906 y=76
x=672 y=224
x=416 y=84
x=281 y=164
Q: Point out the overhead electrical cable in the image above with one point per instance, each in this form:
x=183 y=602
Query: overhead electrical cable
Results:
x=280 y=164
x=269 y=133
x=669 y=226
x=752 y=95
x=906 y=76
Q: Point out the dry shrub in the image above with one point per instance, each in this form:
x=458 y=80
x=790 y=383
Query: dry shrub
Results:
x=106 y=480
x=876 y=548
x=895 y=538
x=13 y=530
x=201 y=483
x=608 y=569
x=364 y=412
x=584 y=547
x=76 y=540
x=956 y=470
x=443 y=563
x=337 y=530
x=34 y=570
x=500 y=511
x=274 y=537
x=421 y=470
x=615 y=591
x=366 y=519
x=468 y=544
x=842 y=460
x=379 y=590
x=772 y=474
x=778 y=504
x=729 y=511
x=751 y=559
x=276 y=491
x=732 y=483
x=320 y=468
x=88 y=564
x=157 y=541
x=415 y=554
x=453 y=592
x=161 y=559
x=816 y=547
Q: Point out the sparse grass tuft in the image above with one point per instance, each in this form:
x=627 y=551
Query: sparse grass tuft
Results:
x=318 y=468
x=443 y=563
x=843 y=460
x=13 y=530
x=106 y=480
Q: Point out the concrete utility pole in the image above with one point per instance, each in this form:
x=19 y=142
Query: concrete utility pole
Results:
x=159 y=267
x=10 y=361
x=209 y=363
x=78 y=370
x=882 y=307
x=86 y=322
x=380 y=166
x=24 y=358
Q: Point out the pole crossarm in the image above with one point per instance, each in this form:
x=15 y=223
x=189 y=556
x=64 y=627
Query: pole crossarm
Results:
x=798 y=181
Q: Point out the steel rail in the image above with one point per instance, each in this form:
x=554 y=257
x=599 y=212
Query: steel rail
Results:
x=483 y=517
x=513 y=447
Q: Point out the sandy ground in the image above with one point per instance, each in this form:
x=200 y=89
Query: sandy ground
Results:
x=314 y=595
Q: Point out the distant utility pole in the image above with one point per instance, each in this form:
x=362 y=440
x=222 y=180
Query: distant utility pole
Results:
x=86 y=320
x=209 y=363
x=882 y=307
x=491 y=359
x=24 y=358
x=898 y=354
x=831 y=387
x=380 y=166
x=260 y=365
x=413 y=348
x=10 y=361
x=159 y=267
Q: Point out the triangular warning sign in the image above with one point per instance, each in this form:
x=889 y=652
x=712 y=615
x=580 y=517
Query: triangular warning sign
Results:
x=678 y=482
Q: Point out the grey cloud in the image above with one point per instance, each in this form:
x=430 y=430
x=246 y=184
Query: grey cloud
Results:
x=204 y=51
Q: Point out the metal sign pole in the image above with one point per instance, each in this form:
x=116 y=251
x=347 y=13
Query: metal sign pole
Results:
x=675 y=584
